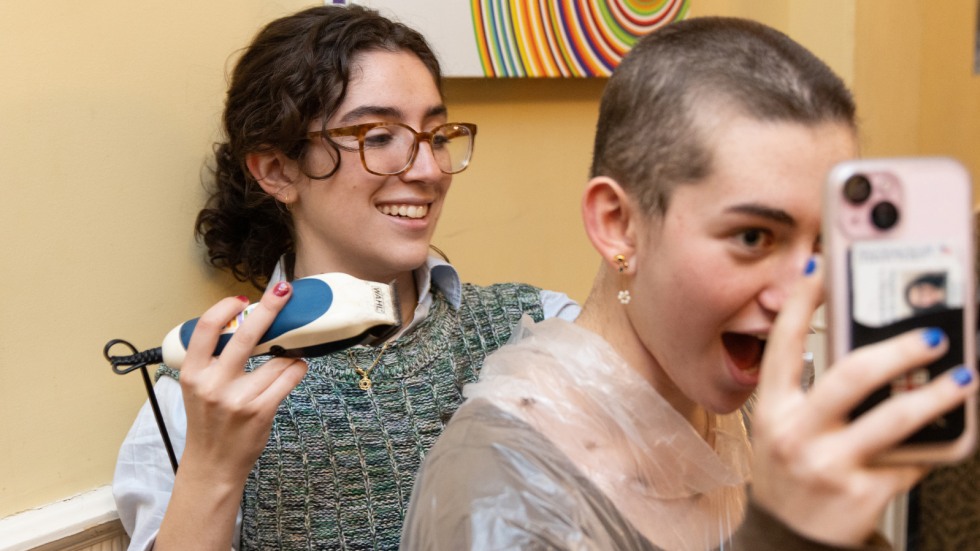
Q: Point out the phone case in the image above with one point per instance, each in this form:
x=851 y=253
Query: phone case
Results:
x=899 y=247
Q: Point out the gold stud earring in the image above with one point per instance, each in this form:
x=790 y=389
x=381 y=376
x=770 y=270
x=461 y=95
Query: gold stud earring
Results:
x=622 y=262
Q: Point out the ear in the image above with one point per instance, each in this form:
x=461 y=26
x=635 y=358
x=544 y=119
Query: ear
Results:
x=610 y=217
x=273 y=171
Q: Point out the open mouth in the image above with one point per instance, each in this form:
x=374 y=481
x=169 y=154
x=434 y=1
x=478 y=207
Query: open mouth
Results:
x=405 y=211
x=745 y=350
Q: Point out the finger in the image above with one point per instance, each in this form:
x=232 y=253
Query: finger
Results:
x=284 y=378
x=881 y=483
x=782 y=364
x=254 y=326
x=844 y=385
x=889 y=423
x=892 y=480
x=258 y=381
x=207 y=330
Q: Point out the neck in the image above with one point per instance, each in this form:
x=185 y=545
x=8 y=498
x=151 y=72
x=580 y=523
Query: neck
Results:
x=408 y=296
x=603 y=314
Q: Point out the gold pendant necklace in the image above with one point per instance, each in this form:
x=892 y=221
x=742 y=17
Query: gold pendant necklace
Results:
x=365 y=382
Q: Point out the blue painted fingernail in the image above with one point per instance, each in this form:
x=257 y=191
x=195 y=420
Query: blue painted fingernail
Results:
x=933 y=336
x=811 y=265
x=962 y=375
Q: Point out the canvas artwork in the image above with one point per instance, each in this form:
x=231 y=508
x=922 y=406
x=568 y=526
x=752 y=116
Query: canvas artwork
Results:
x=530 y=38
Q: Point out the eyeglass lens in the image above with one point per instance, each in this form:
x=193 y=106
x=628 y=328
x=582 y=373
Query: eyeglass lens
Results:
x=388 y=149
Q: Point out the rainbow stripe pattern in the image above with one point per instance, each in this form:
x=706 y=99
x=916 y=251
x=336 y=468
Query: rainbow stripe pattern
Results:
x=564 y=38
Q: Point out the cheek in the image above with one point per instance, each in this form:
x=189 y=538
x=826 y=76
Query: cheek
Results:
x=442 y=188
x=702 y=292
x=700 y=299
x=317 y=161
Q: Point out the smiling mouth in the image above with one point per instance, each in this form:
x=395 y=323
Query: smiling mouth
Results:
x=745 y=350
x=405 y=211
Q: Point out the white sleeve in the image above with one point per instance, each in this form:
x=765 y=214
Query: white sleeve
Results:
x=559 y=305
x=144 y=477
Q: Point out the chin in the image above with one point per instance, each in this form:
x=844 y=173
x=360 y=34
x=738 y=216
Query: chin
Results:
x=734 y=401
x=726 y=398
x=412 y=260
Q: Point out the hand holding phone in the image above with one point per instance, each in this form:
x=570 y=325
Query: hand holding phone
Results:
x=898 y=243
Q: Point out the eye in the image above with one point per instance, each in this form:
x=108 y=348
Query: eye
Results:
x=378 y=137
x=754 y=238
x=440 y=141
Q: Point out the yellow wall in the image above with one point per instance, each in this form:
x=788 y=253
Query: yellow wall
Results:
x=886 y=84
x=107 y=110
x=914 y=79
x=950 y=92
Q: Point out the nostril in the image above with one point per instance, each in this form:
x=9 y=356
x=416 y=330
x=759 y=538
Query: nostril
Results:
x=771 y=300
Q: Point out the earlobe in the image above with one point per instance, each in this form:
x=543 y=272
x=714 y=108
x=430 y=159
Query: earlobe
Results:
x=609 y=216
x=271 y=170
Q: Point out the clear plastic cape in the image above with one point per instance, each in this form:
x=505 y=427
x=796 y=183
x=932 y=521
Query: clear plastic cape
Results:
x=561 y=445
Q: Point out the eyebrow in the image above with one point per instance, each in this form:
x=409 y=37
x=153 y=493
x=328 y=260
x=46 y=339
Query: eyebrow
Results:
x=779 y=216
x=386 y=112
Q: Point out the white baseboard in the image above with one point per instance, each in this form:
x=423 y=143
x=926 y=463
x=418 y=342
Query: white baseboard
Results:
x=30 y=529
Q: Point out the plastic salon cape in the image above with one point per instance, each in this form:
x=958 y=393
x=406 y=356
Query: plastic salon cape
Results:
x=561 y=445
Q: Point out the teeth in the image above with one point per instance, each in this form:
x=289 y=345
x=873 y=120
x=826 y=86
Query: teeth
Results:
x=408 y=211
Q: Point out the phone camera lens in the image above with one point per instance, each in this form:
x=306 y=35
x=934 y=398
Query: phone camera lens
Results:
x=884 y=215
x=857 y=189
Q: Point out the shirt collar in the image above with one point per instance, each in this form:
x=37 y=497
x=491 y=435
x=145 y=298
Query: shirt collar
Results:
x=443 y=276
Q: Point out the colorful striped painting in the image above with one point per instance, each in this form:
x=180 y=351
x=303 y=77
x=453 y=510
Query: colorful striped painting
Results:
x=532 y=38
x=563 y=38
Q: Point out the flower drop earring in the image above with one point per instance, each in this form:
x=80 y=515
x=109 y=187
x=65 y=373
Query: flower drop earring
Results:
x=624 y=295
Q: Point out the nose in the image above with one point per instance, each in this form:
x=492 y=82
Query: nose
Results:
x=771 y=299
x=774 y=293
x=424 y=167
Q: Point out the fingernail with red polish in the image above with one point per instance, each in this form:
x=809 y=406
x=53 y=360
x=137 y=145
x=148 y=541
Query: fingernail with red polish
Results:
x=281 y=289
x=242 y=298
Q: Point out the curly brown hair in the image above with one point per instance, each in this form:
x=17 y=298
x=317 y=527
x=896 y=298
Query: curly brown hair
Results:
x=296 y=70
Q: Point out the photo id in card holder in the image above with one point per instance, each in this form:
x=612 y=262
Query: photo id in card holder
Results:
x=896 y=280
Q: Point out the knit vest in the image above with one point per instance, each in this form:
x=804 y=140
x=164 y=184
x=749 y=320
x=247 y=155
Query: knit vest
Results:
x=338 y=470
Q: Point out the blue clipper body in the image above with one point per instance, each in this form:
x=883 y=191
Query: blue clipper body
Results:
x=326 y=313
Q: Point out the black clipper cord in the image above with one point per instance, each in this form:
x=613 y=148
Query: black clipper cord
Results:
x=122 y=365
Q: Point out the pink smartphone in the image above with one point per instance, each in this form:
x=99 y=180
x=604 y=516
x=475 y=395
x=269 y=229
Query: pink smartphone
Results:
x=898 y=240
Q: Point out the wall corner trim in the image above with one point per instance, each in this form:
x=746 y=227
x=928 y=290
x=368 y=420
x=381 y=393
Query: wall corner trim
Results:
x=54 y=521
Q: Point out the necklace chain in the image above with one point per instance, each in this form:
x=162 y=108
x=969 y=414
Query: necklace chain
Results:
x=365 y=382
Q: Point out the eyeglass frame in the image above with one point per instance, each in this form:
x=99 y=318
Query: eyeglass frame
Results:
x=361 y=130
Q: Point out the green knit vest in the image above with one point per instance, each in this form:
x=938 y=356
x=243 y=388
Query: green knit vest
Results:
x=338 y=470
